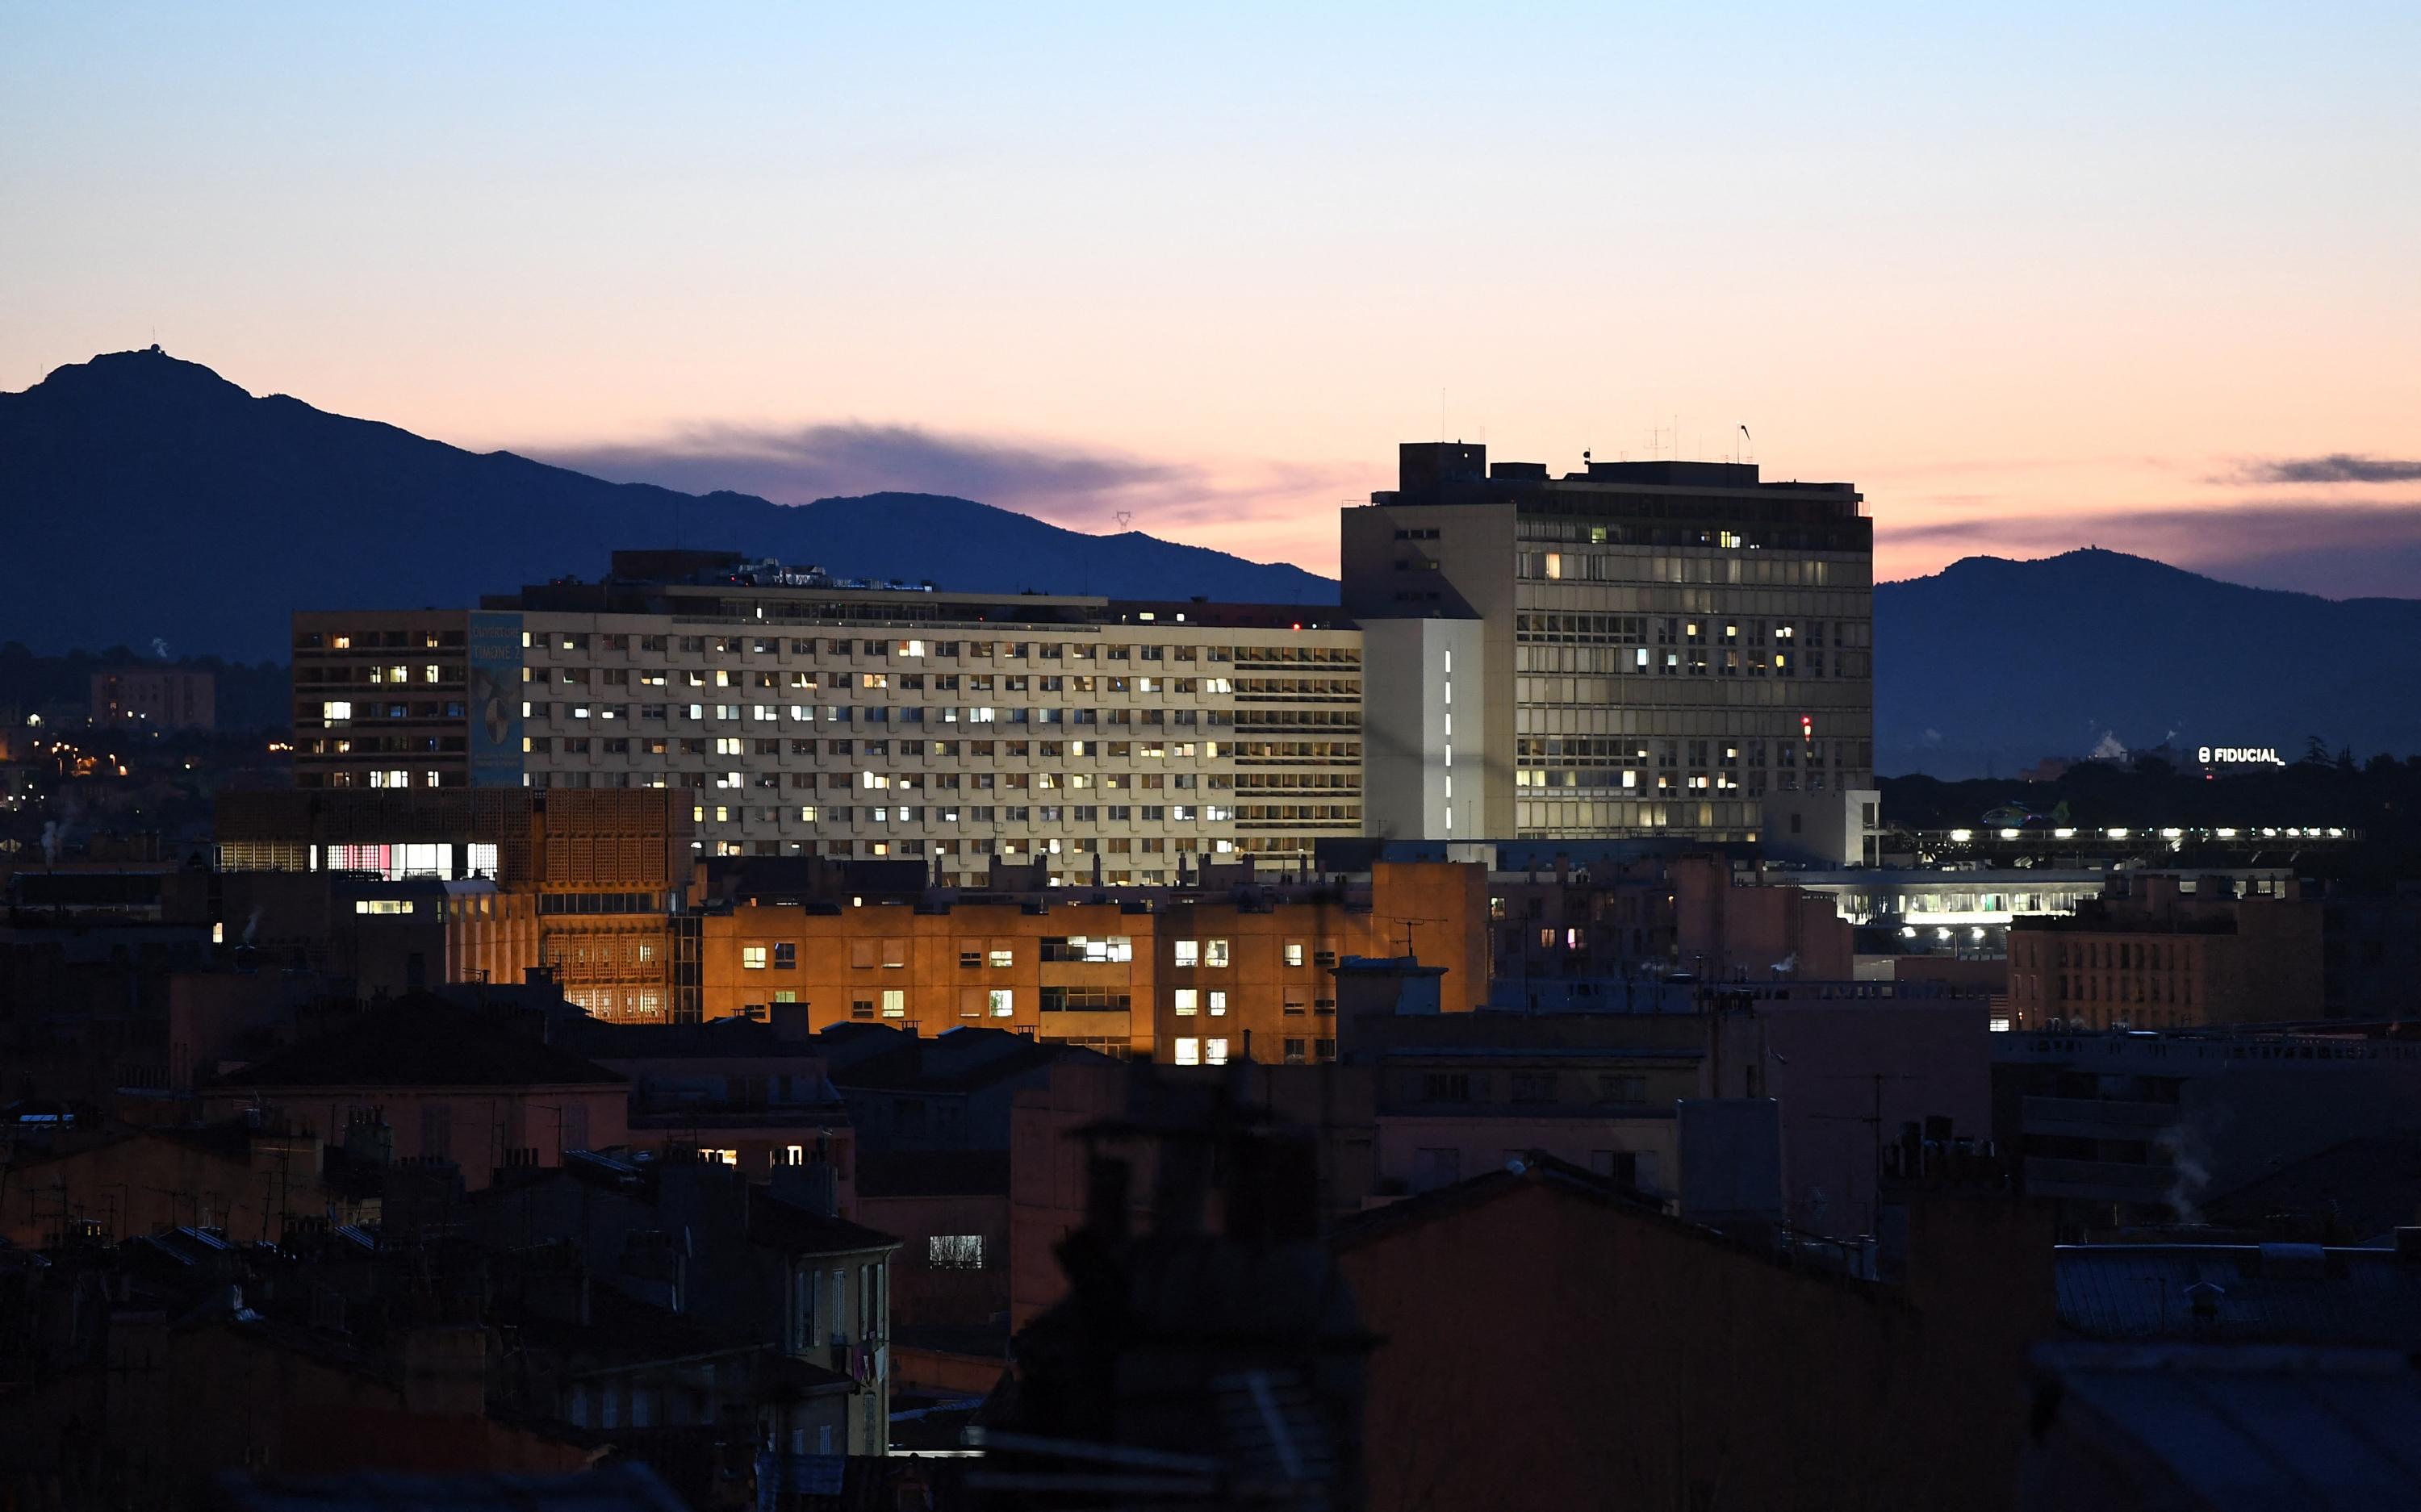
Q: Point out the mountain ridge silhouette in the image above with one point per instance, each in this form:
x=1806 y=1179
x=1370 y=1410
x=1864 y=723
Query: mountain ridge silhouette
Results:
x=231 y=510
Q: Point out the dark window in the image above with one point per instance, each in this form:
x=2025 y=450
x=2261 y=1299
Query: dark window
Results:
x=1534 y=1086
x=1446 y=1086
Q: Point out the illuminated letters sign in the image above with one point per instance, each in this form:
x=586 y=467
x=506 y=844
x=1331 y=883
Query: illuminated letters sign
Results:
x=2241 y=755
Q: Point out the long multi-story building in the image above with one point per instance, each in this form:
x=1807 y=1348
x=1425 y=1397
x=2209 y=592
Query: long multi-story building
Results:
x=1111 y=740
x=1638 y=648
x=1193 y=977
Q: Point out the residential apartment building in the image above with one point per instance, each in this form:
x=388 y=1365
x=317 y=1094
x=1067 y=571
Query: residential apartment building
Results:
x=155 y=698
x=1638 y=648
x=2124 y=1131
x=1193 y=978
x=1118 y=743
x=2174 y=952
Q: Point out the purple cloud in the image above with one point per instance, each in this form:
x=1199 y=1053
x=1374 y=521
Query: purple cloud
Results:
x=1083 y=487
x=2336 y=467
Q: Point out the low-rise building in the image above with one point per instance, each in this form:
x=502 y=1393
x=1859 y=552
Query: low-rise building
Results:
x=2134 y=1131
x=753 y=1096
x=2371 y=952
x=592 y=886
x=2172 y=951
x=453 y=1084
x=695 y=1235
x=1597 y=1342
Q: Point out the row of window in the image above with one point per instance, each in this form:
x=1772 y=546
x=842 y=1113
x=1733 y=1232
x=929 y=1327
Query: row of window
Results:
x=1019 y=813
x=1695 y=661
x=1001 y=1002
x=893 y=954
x=339 y=710
x=430 y=640
x=1620 y=567
x=1073 y=872
x=919 y=649
x=973 y=715
x=905 y=681
x=381 y=674
x=871 y=781
x=1682 y=629
x=1152 y=748
x=1526 y=1087
x=1187 y=1050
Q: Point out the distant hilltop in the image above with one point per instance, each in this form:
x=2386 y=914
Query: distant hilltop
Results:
x=1988 y=666
x=161 y=500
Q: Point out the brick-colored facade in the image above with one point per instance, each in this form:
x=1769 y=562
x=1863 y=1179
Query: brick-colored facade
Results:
x=580 y=882
x=2164 y=958
x=1164 y=980
x=1550 y=1341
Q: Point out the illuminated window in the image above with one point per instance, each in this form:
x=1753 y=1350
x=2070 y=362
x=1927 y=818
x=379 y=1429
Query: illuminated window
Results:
x=1188 y=952
x=1214 y=1053
x=1189 y=1053
x=381 y=905
x=1000 y=1002
x=895 y=1002
x=1188 y=1001
x=752 y=958
x=955 y=1251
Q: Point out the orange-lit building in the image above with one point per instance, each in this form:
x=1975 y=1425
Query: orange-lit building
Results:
x=590 y=885
x=1189 y=978
x=2172 y=953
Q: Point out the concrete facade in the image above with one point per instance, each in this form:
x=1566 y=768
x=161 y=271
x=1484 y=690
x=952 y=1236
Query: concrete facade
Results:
x=802 y=716
x=1414 y=750
x=1664 y=643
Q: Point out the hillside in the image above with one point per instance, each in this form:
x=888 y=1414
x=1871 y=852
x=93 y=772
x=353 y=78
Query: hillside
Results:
x=1991 y=664
x=148 y=497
